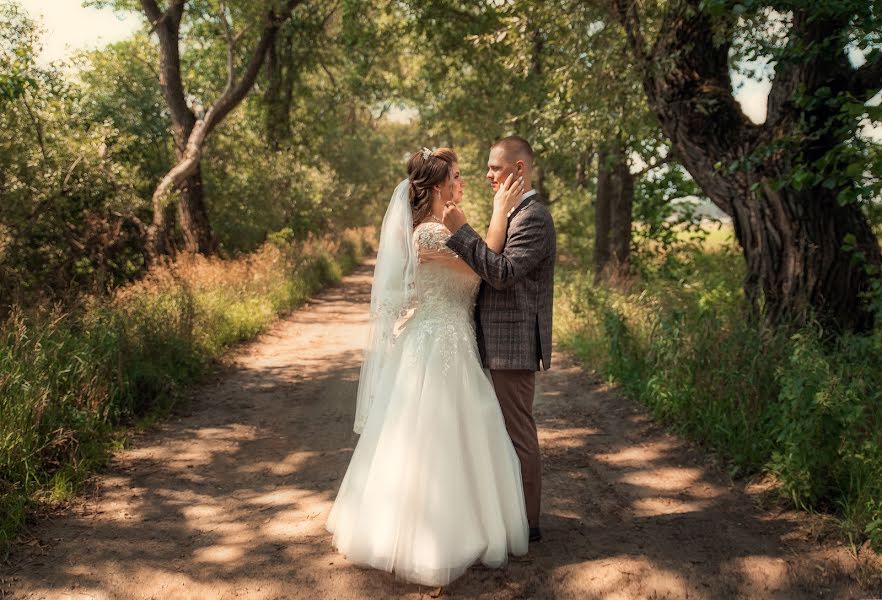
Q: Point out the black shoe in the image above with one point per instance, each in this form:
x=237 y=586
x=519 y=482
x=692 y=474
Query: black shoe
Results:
x=535 y=534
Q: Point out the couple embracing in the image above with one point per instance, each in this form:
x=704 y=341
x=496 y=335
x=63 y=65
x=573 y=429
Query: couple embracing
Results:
x=447 y=471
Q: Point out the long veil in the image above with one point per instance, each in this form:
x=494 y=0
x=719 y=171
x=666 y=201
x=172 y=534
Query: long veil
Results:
x=391 y=295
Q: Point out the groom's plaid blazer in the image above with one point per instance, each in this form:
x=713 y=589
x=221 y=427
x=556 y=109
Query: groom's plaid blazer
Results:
x=515 y=300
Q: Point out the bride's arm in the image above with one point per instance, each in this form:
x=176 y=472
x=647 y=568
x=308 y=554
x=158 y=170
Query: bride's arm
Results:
x=431 y=242
x=448 y=260
x=507 y=197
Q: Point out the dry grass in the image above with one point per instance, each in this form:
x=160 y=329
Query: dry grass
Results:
x=69 y=380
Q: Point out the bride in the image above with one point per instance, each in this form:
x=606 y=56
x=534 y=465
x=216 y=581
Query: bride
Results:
x=434 y=483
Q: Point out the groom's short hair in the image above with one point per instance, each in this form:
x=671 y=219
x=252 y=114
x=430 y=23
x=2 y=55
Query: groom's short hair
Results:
x=515 y=148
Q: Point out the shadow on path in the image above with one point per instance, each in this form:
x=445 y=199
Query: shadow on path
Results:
x=230 y=499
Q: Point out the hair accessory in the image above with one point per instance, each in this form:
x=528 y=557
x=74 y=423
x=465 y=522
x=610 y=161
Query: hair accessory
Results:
x=426 y=153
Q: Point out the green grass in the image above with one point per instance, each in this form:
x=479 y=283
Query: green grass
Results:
x=799 y=406
x=72 y=383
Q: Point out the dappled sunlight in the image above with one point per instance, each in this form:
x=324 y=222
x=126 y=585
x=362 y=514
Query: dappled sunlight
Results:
x=219 y=554
x=619 y=577
x=637 y=456
x=201 y=512
x=289 y=465
x=773 y=575
x=291 y=524
x=663 y=479
x=567 y=438
x=231 y=500
x=284 y=496
x=654 y=506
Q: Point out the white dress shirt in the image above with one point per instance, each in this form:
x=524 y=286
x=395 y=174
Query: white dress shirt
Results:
x=524 y=196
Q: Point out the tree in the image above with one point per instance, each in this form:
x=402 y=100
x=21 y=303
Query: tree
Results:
x=191 y=128
x=795 y=185
x=190 y=131
x=558 y=73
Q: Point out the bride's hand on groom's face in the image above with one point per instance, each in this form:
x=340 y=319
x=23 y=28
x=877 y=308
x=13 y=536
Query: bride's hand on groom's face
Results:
x=453 y=217
x=509 y=194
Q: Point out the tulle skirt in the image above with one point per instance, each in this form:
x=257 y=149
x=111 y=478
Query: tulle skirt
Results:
x=434 y=483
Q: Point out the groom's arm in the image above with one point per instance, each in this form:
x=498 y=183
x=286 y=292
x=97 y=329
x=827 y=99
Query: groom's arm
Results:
x=525 y=247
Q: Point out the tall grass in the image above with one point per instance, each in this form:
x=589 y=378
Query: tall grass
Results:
x=801 y=406
x=69 y=380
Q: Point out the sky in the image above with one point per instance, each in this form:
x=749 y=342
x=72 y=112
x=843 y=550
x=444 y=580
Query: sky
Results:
x=70 y=27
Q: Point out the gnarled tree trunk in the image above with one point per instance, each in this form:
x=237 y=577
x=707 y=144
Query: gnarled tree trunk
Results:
x=793 y=240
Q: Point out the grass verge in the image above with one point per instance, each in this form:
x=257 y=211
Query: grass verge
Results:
x=801 y=406
x=72 y=382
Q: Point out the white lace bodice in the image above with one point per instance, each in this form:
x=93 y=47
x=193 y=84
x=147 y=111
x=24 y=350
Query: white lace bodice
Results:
x=444 y=302
x=442 y=290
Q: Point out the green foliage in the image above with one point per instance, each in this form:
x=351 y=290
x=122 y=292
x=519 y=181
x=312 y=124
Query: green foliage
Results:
x=828 y=451
x=801 y=406
x=81 y=156
x=119 y=88
x=67 y=193
x=68 y=380
x=19 y=44
x=668 y=227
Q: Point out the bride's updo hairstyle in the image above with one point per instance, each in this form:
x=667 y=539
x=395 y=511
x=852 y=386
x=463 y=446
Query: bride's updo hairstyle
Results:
x=425 y=170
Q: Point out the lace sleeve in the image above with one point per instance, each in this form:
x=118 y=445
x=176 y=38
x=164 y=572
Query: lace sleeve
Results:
x=431 y=238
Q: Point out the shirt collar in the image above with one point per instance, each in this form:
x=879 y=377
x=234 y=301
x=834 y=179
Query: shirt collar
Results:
x=524 y=196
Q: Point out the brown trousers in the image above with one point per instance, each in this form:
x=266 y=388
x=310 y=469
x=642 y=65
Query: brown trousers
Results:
x=514 y=389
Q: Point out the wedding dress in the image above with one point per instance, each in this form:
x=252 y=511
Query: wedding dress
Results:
x=434 y=484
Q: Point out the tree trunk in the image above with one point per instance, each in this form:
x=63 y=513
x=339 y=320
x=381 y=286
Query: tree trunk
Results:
x=621 y=211
x=602 y=214
x=279 y=95
x=159 y=238
x=538 y=183
x=793 y=238
x=582 y=170
x=198 y=236
x=612 y=215
x=797 y=266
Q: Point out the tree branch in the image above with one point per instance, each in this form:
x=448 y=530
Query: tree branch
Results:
x=167 y=27
x=630 y=20
x=38 y=127
x=330 y=14
x=800 y=71
x=233 y=95
x=329 y=74
x=154 y=14
x=231 y=46
x=192 y=153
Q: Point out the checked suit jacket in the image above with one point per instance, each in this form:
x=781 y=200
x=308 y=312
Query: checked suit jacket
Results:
x=516 y=296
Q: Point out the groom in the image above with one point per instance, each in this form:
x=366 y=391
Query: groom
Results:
x=513 y=314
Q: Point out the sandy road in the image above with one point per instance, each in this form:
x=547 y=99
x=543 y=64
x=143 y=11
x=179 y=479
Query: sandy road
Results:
x=229 y=499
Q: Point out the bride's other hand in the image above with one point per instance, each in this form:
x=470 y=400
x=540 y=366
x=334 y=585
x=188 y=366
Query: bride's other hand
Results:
x=509 y=194
x=453 y=217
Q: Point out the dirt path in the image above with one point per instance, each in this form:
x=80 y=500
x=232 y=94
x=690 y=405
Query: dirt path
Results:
x=229 y=500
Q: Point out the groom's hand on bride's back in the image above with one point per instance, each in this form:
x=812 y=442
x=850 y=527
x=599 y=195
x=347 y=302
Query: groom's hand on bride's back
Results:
x=453 y=217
